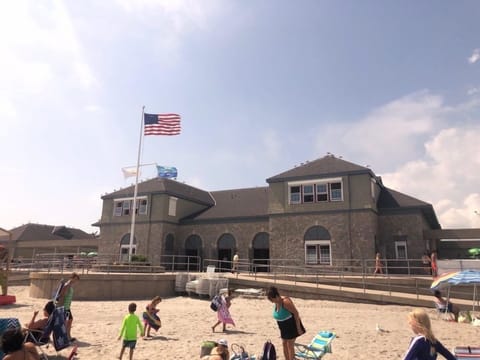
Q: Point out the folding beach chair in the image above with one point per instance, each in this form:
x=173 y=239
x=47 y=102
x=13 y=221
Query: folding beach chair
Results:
x=5 y=324
x=318 y=347
x=55 y=329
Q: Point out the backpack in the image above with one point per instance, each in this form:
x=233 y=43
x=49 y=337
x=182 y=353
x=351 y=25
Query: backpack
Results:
x=216 y=303
x=269 y=352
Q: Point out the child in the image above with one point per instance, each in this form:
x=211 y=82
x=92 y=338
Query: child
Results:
x=424 y=346
x=150 y=317
x=223 y=313
x=129 y=330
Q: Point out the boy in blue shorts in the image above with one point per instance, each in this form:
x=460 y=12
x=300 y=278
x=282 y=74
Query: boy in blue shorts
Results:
x=129 y=330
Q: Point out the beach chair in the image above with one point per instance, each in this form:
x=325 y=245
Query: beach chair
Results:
x=466 y=352
x=54 y=332
x=5 y=324
x=320 y=345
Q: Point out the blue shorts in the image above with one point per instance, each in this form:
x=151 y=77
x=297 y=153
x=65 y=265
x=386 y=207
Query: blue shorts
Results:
x=129 y=344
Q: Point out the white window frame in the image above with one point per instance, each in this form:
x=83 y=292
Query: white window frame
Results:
x=123 y=206
x=334 y=198
x=399 y=244
x=124 y=249
x=299 y=193
x=318 y=259
x=323 y=192
x=311 y=193
x=299 y=197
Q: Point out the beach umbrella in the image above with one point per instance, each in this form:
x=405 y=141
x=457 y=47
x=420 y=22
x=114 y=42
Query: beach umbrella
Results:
x=474 y=251
x=463 y=277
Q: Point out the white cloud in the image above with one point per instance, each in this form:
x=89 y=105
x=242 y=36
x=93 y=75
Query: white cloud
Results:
x=447 y=176
x=390 y=134
x=473 y=91
x=474 y=57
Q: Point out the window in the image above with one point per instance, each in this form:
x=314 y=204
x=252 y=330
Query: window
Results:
x=295 y=195
x=401 y=250
x=122 y=207
x=316 y=191
x=307 y=193
x=172 y=206
x=336 y=191
x=318 y=252
x=322 y=194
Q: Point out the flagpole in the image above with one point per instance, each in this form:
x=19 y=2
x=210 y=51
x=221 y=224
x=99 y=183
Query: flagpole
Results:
x=134 y=205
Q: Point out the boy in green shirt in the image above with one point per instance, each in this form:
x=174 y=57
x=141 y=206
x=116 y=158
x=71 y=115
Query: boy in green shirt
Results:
x=129 y=330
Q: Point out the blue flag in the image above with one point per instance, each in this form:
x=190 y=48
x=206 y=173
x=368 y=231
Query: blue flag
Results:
x=168 y=172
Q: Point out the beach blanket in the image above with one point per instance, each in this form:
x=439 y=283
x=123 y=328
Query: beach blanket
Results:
x=152 y=319
x=56 y=327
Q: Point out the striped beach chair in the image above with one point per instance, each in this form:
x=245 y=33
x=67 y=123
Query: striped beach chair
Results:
x=320 y=345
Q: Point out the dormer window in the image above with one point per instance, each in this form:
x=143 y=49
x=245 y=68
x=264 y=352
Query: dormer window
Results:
x=325 y=190
x=123 y=207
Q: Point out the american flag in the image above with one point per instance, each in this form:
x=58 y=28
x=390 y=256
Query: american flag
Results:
x=161 y=124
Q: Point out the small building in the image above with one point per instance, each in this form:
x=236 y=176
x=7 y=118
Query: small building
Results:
x=29 y=240
x=324 y=212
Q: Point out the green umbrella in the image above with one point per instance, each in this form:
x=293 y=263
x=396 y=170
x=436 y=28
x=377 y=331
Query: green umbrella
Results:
x=474 y=251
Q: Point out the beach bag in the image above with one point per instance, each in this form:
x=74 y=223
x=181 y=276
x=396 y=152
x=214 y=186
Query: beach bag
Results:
x=207 y=347
x=269 y=352
x=216 y=303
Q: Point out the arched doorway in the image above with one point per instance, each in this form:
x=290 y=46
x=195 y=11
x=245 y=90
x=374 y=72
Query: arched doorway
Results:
x=226 y=248
x=125 y=246
x=261 y=252
x=193 y=251
x=317 y=246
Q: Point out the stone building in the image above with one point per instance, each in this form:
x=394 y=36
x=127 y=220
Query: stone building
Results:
x=324 y=212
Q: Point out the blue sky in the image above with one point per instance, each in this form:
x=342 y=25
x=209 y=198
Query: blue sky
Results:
x=261 y=87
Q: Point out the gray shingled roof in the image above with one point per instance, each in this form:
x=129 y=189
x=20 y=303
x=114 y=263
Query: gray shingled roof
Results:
x=326 y=166
x=239 y=203
x=393 y=201
x=47 y=232
x=167 y=186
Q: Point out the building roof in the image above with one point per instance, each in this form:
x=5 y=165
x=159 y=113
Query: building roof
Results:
x=328 y=165
x=167 y=186
x=393 y=201
x=239 y=203
x=30 y=231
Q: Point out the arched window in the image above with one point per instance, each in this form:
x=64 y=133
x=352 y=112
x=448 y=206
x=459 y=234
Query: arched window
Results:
x=317 y=246
x=261 y=241
x=226 y=241
x=125 y=246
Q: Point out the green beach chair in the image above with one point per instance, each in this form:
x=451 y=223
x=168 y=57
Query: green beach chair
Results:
x=320 y=345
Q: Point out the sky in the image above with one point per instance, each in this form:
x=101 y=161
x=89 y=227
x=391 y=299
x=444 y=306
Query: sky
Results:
x=261 y=87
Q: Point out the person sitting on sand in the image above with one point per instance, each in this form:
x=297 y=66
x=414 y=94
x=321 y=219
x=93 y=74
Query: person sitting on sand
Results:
x=443 y=305
x=150 y=316
x=15 y=349
x=220 y=352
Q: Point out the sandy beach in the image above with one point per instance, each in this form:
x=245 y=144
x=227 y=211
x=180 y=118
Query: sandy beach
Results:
x=187 y=321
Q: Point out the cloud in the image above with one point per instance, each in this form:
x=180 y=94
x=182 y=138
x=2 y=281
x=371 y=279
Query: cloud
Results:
x=390 y=134
x=473 y=91
x=446 y=176
x=474 y=57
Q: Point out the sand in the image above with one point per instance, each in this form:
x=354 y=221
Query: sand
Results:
x=187 y=321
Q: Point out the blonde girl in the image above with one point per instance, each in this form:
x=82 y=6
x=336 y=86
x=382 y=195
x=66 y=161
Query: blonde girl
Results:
x=424 y=345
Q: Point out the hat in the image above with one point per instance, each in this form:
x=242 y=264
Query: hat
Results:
x=223 y=342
